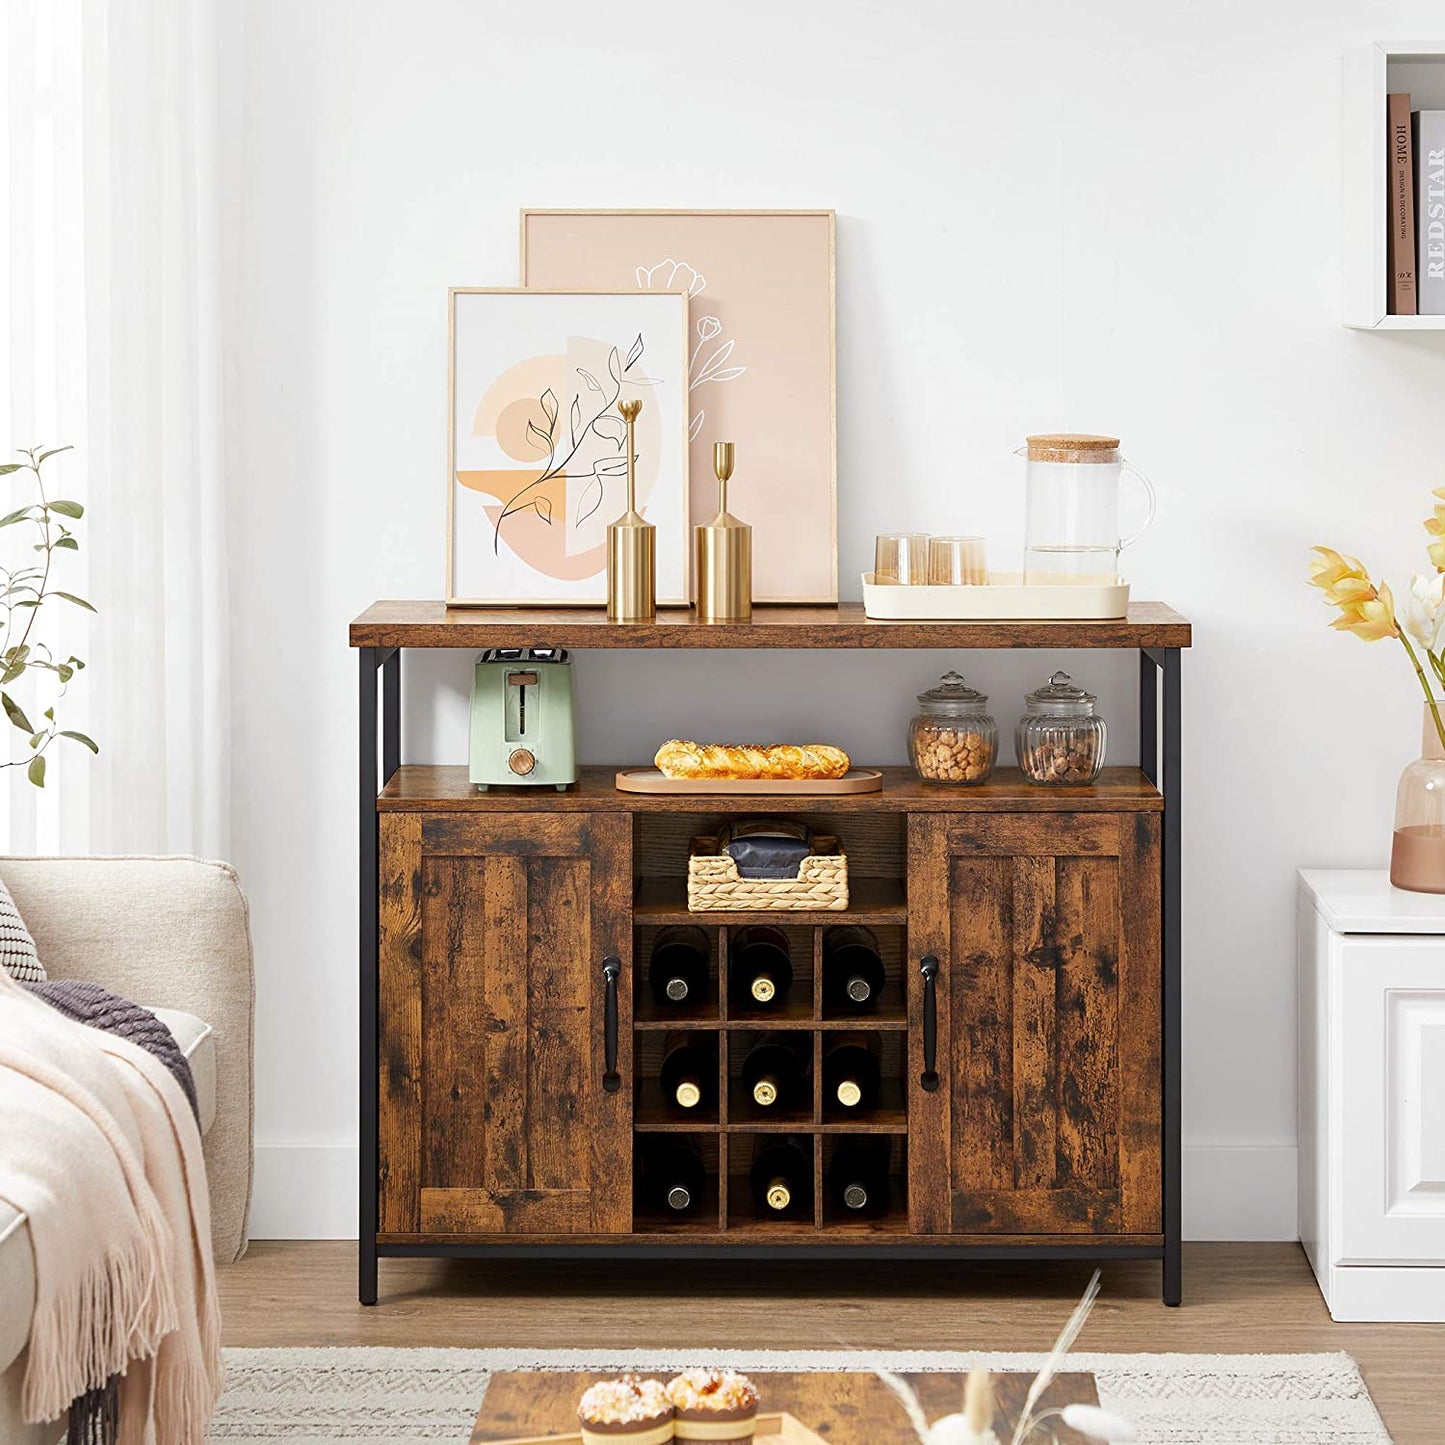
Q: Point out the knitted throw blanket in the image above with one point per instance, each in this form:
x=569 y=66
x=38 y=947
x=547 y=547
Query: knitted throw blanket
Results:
x=89 y=1003
x=101 y=1151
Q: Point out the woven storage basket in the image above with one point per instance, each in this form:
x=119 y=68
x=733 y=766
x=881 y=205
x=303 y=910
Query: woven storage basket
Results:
x=714 y=885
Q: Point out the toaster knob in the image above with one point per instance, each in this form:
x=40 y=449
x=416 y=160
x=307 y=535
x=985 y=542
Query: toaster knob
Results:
x=521 y=762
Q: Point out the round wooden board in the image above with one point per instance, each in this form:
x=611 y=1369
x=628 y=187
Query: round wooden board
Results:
x=650 y=780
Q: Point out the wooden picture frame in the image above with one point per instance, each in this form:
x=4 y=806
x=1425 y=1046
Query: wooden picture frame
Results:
x=541 y=410
x=765 y=279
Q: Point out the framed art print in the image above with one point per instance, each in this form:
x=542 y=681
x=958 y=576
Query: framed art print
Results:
x=537 y=459
x=760 y=362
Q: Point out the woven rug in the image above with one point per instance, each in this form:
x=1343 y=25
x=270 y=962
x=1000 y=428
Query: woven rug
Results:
x=405 y=1397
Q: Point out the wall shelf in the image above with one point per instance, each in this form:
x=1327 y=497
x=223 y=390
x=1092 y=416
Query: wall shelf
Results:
x=1371 y=73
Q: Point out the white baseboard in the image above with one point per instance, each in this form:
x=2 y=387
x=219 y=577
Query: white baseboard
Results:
x=304 y=1191
x=1231 y=1192
x=1240 y=1192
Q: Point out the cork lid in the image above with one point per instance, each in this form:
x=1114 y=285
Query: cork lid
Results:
x=1072 y=447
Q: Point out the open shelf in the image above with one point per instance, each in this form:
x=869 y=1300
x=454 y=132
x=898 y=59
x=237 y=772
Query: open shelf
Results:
x=1371 y=73
x=877 y=901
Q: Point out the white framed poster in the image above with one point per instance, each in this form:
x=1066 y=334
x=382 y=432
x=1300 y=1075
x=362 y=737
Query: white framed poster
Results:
x=537 y=457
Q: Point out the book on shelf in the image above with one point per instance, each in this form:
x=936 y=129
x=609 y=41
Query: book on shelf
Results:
x=1429 y=144
x=1401 y=173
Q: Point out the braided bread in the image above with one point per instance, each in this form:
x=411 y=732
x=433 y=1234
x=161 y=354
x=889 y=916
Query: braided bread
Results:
x=750 y=761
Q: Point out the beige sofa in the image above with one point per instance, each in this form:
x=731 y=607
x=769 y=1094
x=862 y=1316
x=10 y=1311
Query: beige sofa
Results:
x=173 y=934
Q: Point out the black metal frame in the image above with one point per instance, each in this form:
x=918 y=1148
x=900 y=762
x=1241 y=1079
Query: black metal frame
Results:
x=1160 y=754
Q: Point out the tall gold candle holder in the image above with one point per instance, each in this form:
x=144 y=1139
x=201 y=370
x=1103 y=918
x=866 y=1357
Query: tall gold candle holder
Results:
x=631 y=545
x=724 y=554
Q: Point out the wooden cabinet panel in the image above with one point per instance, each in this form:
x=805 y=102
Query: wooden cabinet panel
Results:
x=1047 y=933
x=493 y=1115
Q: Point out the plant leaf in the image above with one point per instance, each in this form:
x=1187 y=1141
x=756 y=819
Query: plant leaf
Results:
x=36 y=739
x=68 y=543
x=67 y=509
x=36 y=771
x=15 y=713
x=10 y=467
x=614 y=365
x=540 y=439
x=80 y=738
x=728 y=373
x=549 y=406
x=634 y=352
x=590 y=379
x=71 y=597
x=575 y=417
x=543 y=508
x=19 y=515
x=54 y=452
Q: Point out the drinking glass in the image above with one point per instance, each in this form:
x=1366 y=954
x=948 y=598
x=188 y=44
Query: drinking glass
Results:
x=901 y=558
x=956 y=561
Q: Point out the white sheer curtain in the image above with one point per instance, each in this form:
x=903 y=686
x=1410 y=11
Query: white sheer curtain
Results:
x=110 y=339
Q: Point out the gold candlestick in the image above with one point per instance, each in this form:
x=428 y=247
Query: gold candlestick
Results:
x=631 y=545
x=724 y=554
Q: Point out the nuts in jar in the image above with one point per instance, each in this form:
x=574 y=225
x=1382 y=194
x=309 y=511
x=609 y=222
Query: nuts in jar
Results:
x=953 y=739
x=1060 y=739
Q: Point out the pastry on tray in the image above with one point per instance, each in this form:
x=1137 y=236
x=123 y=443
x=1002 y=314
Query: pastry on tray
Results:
x=628 y=1411
x=714 y=1405
x=750 y=762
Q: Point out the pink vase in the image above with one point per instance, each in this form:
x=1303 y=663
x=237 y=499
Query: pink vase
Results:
x=1417 y=856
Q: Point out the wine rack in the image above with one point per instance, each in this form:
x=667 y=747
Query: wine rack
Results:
x=730 y=1134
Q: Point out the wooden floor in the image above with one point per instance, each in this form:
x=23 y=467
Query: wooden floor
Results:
x=1238 y=1298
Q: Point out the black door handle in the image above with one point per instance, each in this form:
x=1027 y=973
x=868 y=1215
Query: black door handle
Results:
x=928 y=967
x=611 y=972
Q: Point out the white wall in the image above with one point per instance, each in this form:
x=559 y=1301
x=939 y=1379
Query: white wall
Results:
x=1111 y=216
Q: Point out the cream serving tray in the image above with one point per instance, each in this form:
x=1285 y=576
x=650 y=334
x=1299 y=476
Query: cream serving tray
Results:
x=1003 y=598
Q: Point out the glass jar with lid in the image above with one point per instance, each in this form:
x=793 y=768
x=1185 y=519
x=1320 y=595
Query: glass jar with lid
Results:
x=1060 y=739
x=953 y=739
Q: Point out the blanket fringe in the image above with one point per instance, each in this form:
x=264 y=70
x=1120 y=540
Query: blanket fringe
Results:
x=119 y=1311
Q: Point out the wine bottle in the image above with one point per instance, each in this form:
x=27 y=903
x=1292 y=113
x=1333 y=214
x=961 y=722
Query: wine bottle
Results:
x=689 y=1073
x=782 y=1179
x=775 y=1071
x=673 y=1176
x=851 y=1075
x=760 y=966
x=677 y=971
x=857 y=1178
x=852 y=969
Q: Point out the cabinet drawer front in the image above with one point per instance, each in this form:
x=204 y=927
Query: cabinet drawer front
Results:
x=1389 y=1059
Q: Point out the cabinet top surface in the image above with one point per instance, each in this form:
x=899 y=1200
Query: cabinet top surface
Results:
x=428 y=788
x=433 y=624
x=1362 y=900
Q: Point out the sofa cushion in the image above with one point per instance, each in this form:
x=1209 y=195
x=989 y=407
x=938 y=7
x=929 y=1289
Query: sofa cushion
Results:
x=17 y=1259
x=17 y=949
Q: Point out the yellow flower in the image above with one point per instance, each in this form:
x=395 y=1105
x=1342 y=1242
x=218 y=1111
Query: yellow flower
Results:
x=1435 y=526
x=1366 y=610
x=1370 y=619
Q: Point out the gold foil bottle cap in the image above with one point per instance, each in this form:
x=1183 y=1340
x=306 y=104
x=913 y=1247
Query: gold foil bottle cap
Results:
x=689 y=1095
x=765 y=1092
x=849 y=1094
x=779 y=1195
x=764 y=988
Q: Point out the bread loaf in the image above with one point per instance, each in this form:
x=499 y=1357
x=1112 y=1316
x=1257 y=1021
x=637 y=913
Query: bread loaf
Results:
x=776 y=762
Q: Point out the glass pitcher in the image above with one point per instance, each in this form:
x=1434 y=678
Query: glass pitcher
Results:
x=1071 y=528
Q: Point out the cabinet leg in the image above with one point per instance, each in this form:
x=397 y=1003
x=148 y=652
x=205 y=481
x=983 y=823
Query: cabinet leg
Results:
x=1173 y=1274
x=366 y=1271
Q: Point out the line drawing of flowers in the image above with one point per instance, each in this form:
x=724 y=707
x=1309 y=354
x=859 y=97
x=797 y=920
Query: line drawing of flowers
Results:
x=672 y=275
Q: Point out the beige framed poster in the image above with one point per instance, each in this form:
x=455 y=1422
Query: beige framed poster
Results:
x=761 y=369
x=536 y=454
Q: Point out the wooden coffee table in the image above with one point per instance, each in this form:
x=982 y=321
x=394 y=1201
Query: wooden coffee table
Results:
x=847 y=1409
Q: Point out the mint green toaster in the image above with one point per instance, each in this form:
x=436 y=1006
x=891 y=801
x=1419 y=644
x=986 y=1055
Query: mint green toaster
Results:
x=522 y=729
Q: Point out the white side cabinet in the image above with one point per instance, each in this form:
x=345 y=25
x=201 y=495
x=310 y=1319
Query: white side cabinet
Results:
x=1372 y=1095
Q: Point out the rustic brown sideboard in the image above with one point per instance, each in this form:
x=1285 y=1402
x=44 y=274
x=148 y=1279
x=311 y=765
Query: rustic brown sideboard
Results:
x=1030 y=1047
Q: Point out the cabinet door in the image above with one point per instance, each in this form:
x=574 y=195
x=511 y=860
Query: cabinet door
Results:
x=494 y=1118
x=1046 y=1115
